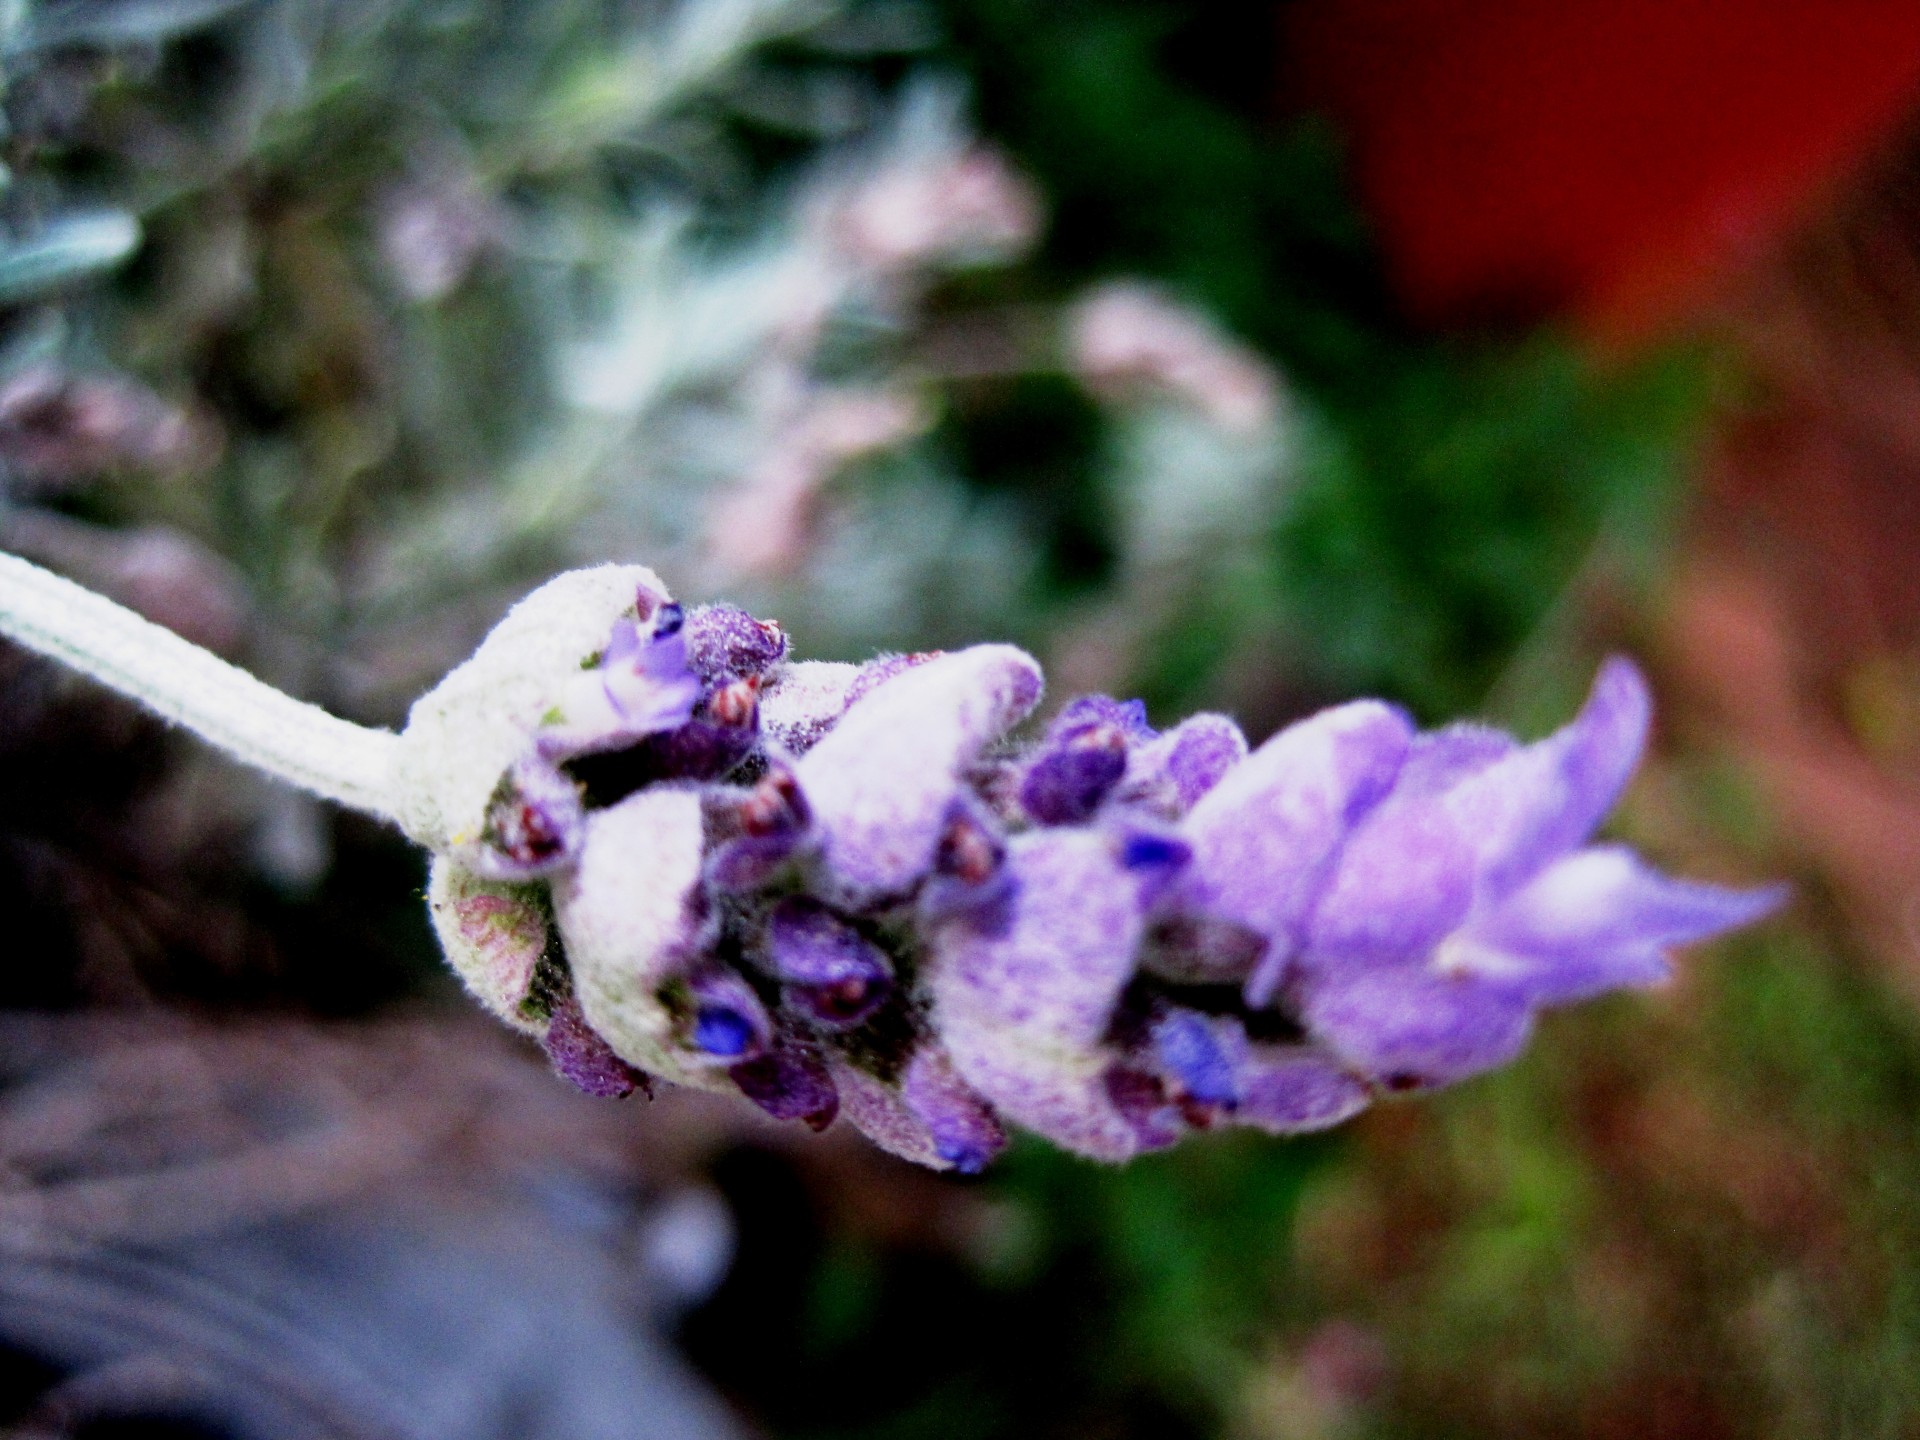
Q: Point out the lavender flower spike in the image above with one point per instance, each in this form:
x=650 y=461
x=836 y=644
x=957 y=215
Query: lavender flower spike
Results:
x=674 y=853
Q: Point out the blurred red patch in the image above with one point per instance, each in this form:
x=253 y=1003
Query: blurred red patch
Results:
x=1603 y=157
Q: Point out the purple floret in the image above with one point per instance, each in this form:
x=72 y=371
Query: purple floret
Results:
x=1082 y=759
x=1197 y=1058
x=1066 y=782
x=1463 y=901
x=638 y=685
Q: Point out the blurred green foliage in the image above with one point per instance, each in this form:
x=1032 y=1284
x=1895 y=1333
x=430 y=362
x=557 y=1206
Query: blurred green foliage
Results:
x=1453 y=487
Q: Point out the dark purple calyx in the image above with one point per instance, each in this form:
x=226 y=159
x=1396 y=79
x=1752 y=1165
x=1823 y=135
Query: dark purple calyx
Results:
x=577 y=1053
x=828 y=970
x=1066 y=782
x=725 y=643
x=790 y=1083
x=700 y=750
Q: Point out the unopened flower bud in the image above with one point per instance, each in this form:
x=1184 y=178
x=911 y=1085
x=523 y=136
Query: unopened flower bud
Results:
x=724 y=643
x=533 y=824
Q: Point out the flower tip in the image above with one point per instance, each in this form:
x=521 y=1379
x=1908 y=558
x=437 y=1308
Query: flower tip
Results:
x=723 y=1032
x=965 y=1156
x=1736 y=909
x=725 y=642
x=1197 y=1060
x=1148 y=850
x=1620 y=688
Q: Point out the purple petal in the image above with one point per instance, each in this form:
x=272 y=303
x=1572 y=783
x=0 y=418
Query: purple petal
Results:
x=1154 y=858
x=791 y=1082
x=1024 y=1011
x=830 y=971
x=640 y=686
x=1525 y=811
x=881 y=781
x=626 y=916
x=1265 y=835
x=652 y=687
x=1596 y=920
x=1288 y=1089
x=1406 y=1027
x=578 y=1054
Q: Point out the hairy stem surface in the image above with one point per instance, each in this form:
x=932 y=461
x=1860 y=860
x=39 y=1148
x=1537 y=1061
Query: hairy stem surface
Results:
x=178 y=681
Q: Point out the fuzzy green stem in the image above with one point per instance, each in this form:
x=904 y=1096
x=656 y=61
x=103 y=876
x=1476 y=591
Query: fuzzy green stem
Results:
x=177 y=680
